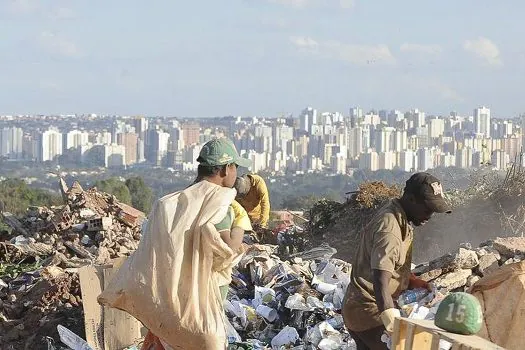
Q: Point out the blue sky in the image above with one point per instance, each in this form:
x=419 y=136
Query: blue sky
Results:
x=260 y=57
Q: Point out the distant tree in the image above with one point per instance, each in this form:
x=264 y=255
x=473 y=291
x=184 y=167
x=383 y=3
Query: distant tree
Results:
x=141 y=194
x=17 y=196
x=305 y=202
x=116 y=187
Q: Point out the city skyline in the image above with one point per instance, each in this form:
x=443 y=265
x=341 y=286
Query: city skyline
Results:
x=260 y=57
x=315 y=141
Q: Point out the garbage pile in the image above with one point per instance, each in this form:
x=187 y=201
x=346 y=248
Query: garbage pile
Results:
x=294 y=302
x=39 y=284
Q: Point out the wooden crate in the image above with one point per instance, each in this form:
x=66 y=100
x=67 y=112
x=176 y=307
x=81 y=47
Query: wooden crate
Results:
x=410 y=334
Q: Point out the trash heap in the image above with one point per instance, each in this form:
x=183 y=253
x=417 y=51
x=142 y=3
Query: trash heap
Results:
x=39 y=284
x=293 y=302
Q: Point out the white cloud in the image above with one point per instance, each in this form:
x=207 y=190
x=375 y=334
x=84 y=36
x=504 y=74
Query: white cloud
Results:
x=355 y=54
x=485 y=49
x=58 y=45
x=418 y=48
x=302 y=42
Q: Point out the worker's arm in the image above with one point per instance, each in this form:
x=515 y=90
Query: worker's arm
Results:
x=233 y=238
x=383 y=298
x=262 y=189
x=384 y=257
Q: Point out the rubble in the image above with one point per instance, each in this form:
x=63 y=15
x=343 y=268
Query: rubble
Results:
x=510 y=246
x=487 y=263
x=282 y=294
x=459 y=270
x=39 y=286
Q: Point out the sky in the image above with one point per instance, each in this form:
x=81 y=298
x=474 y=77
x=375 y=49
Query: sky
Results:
x=260 y=57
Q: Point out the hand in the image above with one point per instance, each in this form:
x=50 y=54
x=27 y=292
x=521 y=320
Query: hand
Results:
x=388 y=317
x=415 y=282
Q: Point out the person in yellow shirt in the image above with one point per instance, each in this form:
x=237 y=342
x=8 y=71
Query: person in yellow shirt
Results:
x=232 y=229
x=252 y=194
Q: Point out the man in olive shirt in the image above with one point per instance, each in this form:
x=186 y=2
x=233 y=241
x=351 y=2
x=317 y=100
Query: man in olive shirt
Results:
x=381 y=268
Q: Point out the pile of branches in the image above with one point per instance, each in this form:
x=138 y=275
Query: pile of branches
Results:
x=341 y=223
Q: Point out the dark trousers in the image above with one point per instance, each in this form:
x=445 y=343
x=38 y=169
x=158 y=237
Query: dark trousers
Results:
x=369 y=339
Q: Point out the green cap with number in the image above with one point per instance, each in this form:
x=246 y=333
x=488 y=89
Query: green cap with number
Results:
x=459 y=313
x=221 y=151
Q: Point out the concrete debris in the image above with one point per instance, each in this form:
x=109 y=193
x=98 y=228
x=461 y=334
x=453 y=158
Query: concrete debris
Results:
x=40 y=287
x=510 y=246
x=462 y=259
x=487 y=263
x=453 y=280
x=459 y=270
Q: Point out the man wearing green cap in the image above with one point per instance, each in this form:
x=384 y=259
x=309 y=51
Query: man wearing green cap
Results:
x=381 y=267
x=218 y=161
x=172 y=282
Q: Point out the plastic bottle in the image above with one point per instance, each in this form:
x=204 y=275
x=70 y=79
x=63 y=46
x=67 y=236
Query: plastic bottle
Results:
x=411 y=296
x=71 y=339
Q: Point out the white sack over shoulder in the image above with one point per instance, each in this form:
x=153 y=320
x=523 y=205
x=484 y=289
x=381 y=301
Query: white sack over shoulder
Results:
x=170 y=282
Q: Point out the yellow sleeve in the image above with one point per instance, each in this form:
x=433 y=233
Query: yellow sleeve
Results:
x=264 y=199
x=241 y=218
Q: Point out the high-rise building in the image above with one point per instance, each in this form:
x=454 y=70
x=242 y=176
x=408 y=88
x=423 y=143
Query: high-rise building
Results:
x=425 y=159
x=356 y=114
x=500 y=160
x=307 y=118
x=75 y=139
x=141 y=125
x=436 y=127
x=190 y=133
x=355 y=142
x=383 y=139
x=464 y=158
x=400 y=140
x=130 y=143
x=49 y=145
x=408 y=160
x=482 y=121
x=11 y=143
x=369 y=161
x=386 y=160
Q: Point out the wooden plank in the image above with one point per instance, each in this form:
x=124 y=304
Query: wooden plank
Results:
x=397 y=332
x=435 y=341
x=410 y=330
x=422 y=338
x=401 y=333
x=120 y=328
x=471 y=341
x=91 y=287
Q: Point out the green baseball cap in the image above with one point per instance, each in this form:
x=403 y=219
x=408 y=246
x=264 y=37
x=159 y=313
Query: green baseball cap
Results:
x=221 y=151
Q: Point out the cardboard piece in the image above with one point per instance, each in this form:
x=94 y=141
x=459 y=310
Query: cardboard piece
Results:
x=106 y=328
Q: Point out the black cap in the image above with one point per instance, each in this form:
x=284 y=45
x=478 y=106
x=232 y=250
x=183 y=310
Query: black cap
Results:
x=428 y=187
